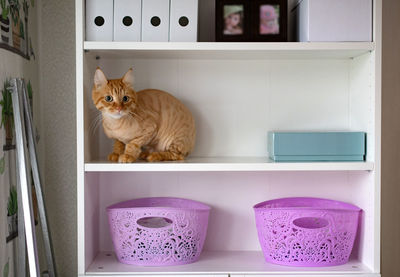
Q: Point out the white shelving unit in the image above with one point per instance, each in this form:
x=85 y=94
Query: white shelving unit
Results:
x=237 y=92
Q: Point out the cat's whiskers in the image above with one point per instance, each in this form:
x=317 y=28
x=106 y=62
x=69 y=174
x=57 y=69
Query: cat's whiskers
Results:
x=133 y=114
x=93 y=127
x=95 y=123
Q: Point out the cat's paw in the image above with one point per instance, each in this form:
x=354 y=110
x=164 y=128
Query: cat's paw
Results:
x=154 y=157
x=164 y=156
x=113 y=157
x=125 y=158
x=143 y=155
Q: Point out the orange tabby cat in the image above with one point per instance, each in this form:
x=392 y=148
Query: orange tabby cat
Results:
x=149 y=124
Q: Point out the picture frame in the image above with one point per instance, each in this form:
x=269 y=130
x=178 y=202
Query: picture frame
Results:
x=270 y=20
x=233 y=21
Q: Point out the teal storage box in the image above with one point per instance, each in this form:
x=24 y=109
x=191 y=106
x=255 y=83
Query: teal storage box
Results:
x=316 y=146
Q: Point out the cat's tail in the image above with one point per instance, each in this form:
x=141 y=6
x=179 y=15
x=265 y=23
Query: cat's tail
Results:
x=165 y=156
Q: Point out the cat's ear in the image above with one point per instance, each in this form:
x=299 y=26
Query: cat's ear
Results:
x=100 y=80
x=128 y=78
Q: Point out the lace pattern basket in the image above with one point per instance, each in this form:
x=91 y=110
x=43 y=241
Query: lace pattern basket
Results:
x=306 y=231
x=158 y=231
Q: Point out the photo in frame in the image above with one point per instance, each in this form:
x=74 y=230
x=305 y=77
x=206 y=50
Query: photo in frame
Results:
x=251 y=20
x=233 y=21
x=269 y=20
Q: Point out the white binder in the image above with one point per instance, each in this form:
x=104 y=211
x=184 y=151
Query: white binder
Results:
x=99 y=20
x=155 y=20
x=183 y=20
x=127 y=20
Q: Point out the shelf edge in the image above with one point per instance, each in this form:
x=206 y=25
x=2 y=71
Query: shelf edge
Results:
x=250 y=167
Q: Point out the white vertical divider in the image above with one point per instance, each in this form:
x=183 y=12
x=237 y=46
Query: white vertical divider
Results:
x=377 y=73
x=79 y=27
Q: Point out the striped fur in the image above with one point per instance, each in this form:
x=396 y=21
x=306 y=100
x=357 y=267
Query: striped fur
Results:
x=149 y=124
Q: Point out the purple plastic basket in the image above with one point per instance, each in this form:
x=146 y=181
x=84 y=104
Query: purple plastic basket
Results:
x=160 y=231
x=306 y=231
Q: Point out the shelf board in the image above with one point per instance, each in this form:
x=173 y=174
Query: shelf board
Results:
x=13 y=235
x=223 y=262
x=229 y=164
x=8 y=147
x=229 y=50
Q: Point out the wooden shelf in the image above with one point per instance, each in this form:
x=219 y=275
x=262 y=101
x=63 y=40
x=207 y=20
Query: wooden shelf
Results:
x=230 y=164
x=13 y=235
x=224 y=50
x=224 y=262
x=8 y=147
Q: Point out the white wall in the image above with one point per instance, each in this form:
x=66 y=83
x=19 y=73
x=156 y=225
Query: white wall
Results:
x=57 y=81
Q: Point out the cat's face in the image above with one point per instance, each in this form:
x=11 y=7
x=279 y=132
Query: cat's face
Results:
x=114 y=98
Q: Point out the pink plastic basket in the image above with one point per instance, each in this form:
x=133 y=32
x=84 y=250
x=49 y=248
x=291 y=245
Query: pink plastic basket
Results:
x=306 y=231
x=159 y=231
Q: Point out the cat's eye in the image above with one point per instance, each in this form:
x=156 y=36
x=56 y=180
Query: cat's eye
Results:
x=108 y=98
x=125 y=98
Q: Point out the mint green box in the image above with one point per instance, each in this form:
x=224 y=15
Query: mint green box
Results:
x=316 y=146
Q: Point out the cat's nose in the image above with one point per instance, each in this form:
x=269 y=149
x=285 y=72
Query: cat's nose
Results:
x=119 y=109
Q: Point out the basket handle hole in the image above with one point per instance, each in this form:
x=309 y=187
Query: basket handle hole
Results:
x=154 y=222
x=310 y=222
